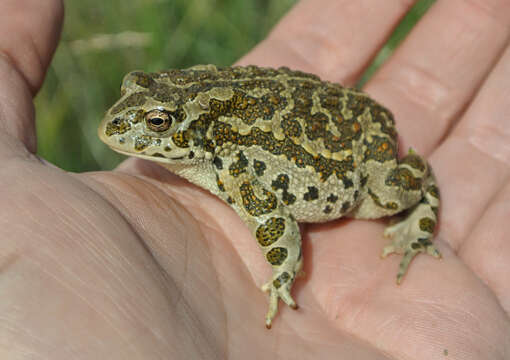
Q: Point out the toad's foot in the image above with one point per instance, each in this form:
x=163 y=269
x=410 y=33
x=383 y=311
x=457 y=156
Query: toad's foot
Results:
x=277 y=291
x=409 y=239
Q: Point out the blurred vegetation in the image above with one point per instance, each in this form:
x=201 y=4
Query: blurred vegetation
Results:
x=103 y=40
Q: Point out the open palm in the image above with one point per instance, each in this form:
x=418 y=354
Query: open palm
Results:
x=139 y=264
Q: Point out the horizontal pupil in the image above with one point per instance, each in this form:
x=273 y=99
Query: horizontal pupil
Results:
x=157 y=121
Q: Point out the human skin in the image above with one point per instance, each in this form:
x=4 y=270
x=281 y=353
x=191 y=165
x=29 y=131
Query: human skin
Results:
x=136 y=263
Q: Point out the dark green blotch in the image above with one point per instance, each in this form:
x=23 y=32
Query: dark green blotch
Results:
x=332 y=198
x=416 y=246
x=403 y=178
x=240 y=166
x=116 y=127
x=272 y=230
x=312 y=194
x=181 y=139
x=218 y=163
x=427 y=224
x=281 y=182
x=276 y=256
x=259 y=167
x=280 y=280
x=425 y=242
x=347 y=182
x=288 y=198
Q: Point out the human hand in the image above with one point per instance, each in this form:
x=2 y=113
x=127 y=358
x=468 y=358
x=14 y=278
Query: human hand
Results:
x=137 y=263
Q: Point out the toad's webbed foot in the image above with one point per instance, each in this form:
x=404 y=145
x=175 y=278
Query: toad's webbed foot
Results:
x=278 y=288
x=409 y=242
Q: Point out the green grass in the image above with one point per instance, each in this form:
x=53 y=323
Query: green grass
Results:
x=103 y=40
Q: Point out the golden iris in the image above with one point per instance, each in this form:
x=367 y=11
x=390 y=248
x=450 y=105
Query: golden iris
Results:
x=158 y=120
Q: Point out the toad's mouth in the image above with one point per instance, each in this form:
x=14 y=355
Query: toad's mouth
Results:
x=153 y=157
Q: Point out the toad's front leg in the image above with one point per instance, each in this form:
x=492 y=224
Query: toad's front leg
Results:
x=277 y=234
x=280 y=240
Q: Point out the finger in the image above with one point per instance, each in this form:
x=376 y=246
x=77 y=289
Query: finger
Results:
x=435 y=73
x=475 y=214
x=331 y=38
x=476 y=157
x=487 y=249
x=28 y=35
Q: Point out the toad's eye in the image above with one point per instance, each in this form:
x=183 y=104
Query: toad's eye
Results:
x=158 y=120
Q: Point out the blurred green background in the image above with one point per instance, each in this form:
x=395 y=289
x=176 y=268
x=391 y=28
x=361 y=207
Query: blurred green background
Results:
x=103 y=40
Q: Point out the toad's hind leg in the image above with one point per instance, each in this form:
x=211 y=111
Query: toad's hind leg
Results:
x=407 y=185
x=277 y=234
x=413 y=234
